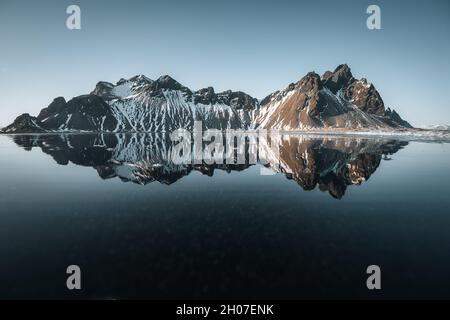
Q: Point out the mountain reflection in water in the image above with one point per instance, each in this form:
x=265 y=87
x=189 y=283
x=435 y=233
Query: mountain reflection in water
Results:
x=330 y=164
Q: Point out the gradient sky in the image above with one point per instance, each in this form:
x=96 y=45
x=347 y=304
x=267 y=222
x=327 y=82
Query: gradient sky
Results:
x=253 y=46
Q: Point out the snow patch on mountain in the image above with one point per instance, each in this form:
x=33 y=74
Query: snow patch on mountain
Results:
x=436 y=127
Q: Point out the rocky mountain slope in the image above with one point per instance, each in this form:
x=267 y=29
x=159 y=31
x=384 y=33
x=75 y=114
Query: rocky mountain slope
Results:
x=139 y=104
x=333 y=100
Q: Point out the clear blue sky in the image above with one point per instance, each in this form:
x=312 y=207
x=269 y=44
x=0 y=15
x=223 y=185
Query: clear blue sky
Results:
x=254 y=46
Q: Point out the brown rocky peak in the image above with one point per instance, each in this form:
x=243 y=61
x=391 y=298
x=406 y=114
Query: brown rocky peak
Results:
x=310 y=82
x=341 y=77
x=343 y=69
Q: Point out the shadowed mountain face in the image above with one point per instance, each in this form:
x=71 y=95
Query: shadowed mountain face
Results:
x=330 y=164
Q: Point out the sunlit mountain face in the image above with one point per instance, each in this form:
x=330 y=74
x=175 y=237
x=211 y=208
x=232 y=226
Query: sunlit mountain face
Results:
x=329 y=164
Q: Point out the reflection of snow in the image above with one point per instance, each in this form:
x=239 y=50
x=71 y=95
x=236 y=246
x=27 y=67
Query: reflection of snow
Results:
x=404 y=134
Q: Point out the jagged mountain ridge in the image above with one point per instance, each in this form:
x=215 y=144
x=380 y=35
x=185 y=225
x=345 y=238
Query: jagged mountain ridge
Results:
x=139 y=104
x=333 y=100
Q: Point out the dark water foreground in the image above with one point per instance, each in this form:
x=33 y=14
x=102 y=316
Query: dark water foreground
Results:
x=140 y=226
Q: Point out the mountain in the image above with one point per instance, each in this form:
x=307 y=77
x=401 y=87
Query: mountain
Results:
x=164 y=105
x=331 y=165
x=333 y=100
x=139 y=104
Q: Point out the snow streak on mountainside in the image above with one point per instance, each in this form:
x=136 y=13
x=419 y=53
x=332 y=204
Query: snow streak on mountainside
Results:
x=335 y=100
x=139 y=104
x=143 y=105
x=436 y=127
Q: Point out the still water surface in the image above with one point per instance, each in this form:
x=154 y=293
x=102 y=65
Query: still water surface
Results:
x=140 y=226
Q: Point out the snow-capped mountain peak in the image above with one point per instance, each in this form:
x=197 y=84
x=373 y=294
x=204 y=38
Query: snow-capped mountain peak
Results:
x=139 y=104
